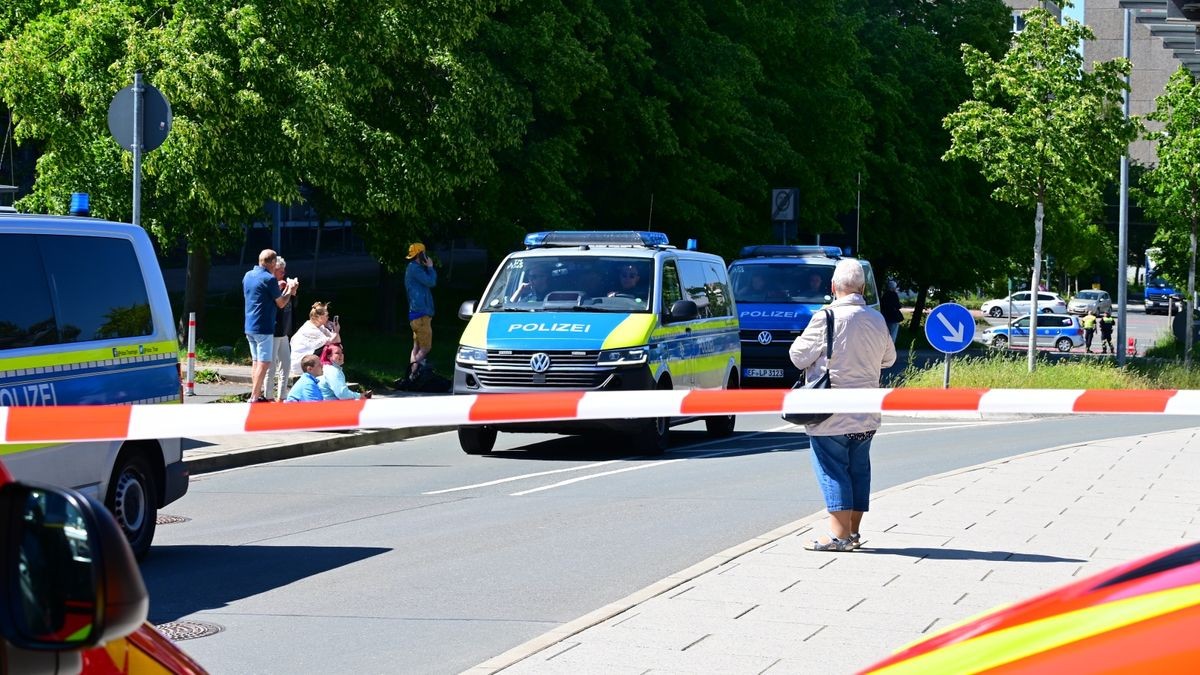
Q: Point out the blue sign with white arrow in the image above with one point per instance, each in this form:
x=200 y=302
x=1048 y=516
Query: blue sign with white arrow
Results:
x=950 y=328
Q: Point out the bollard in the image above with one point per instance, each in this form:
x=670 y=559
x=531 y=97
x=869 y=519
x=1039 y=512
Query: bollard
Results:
x=190 y=385
x=1131 y=347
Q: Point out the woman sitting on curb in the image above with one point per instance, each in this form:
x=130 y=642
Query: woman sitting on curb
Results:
x=333 y=380
x=317 y=332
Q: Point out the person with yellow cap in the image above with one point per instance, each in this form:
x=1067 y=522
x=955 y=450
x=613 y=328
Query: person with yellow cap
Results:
x=419 y=280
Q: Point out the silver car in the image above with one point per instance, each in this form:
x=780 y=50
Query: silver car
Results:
x=1097 y=302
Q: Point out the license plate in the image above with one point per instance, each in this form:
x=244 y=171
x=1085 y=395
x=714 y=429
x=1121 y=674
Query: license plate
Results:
x=763 y=372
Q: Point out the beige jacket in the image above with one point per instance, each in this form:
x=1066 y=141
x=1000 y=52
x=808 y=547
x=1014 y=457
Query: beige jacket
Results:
x=862 y=347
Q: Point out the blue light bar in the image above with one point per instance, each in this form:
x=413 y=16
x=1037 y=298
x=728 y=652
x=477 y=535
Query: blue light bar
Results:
x=80 y=204
x=595 y=238
x=781 y=250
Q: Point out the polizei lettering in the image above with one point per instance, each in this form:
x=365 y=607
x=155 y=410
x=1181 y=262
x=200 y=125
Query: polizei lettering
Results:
x=542 y=327
x=776 y=314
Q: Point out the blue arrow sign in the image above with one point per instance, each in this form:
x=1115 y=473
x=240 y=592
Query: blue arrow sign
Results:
x=950 y=328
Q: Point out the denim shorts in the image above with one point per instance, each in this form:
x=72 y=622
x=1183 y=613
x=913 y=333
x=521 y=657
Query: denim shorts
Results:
x=260 y=346
x=843 y=467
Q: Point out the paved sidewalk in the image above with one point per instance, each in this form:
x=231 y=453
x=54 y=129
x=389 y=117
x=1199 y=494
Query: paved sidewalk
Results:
x=938 y=550
x=215 y=453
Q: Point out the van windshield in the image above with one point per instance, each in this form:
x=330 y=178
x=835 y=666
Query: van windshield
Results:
x=572 y=284
x=781 y=283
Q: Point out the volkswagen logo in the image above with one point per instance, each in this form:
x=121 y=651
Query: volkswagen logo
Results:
x=764 y=338
x=539 y=362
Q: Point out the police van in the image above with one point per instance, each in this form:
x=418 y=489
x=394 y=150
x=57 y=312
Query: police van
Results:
x=778 y=288
x=600 y=311
x=86 y=320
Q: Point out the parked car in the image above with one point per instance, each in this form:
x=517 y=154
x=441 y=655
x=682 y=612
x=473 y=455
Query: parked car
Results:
x=1097 y=302
x=1061 y=331
x=1132 y=618
x=1018 y=303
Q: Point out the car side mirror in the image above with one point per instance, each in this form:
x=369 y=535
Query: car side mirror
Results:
x=466 y=310
x=69 y=578
x=683 y=310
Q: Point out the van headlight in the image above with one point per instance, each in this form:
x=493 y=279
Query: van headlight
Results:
x=622 y=357
x=472 y=356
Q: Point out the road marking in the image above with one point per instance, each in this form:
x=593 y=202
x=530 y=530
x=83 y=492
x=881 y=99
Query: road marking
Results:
x=523 y=476
x=748 y=437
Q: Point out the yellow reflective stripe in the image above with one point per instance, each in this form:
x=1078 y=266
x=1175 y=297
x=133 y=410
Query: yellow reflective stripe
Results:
x=633 y=331
x=993 y=650
x=81 y=356
x=475 y=334
x=14 y=448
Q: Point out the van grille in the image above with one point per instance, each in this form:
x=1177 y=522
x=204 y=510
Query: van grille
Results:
x=575 y=369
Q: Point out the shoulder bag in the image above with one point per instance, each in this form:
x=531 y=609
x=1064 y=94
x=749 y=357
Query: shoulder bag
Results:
x=820 y=383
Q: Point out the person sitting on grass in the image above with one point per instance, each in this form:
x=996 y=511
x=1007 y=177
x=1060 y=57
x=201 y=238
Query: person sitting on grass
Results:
x=333 y=379
x=307 y=388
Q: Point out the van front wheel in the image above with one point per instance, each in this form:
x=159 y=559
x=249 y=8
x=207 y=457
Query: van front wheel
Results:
x=721 y=426
x=133 y=500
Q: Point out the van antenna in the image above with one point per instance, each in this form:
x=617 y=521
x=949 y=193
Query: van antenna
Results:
x=650 y=219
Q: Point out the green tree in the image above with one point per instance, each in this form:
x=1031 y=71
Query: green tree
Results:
x=916 y=206
x=1043 y=129
x=223 y=67
x=1170 y=191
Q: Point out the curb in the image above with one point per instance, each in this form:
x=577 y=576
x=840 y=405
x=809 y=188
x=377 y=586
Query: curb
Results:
x=274 y=453
x=556 y=635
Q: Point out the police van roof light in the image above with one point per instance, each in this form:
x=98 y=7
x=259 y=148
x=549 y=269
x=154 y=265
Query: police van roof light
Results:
x=595 y=237
x=781 y=250
x=80 y=204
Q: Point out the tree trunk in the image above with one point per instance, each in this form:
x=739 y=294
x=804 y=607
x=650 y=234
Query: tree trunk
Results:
x=387 y=300
x=1187 y=302
x=914 y=324
x=1035 y=284
x=195 y=292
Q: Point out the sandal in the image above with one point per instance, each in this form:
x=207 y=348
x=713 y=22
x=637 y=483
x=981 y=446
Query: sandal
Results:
x=855 y=542
x=834 y=544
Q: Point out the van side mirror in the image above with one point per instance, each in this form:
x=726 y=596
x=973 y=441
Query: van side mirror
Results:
x=683 y=310
x=466 y=310
x=68 y=574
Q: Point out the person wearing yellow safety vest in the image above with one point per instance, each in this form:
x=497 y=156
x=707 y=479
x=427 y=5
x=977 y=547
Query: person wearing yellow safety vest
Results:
x=1089 y=330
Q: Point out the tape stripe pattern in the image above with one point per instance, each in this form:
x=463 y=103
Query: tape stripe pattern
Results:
x=77 y=423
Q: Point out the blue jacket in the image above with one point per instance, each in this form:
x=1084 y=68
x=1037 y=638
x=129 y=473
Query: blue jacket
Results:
x=418 y=280
x=305 y=389
x=333 y=384
x=260 y=288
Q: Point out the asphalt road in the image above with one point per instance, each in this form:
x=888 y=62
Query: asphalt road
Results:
x=413 y=557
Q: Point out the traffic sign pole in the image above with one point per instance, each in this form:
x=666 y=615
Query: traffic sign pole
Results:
x=137 y=147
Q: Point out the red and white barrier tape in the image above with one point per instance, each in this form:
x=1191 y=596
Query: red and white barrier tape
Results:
x=89 y=423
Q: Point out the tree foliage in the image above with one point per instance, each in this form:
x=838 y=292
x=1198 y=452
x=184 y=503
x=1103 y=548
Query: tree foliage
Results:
x=1170 y=191
x=1041 y=128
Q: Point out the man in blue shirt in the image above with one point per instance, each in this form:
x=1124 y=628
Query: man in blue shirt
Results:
x=263 y=298
x=307 y=388
x=419 y=280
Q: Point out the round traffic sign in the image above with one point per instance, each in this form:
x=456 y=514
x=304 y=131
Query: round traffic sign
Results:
x=156 y=117
x=950 y=328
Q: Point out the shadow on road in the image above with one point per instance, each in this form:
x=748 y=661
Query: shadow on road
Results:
x=684 y=443
x=183 y=580
x=966 y=554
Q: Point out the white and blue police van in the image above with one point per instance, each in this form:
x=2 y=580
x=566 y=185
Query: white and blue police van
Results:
x=778 y=288
x=86 y=320
x=600 y=311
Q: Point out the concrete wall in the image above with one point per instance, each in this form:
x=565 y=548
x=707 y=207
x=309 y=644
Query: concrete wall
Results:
x=1152 y=64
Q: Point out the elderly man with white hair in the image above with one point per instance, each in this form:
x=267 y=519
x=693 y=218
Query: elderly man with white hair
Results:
x=841 y=444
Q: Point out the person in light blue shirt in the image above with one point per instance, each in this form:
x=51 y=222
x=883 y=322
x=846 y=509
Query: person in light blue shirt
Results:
x=333 y=380
x=307 y=388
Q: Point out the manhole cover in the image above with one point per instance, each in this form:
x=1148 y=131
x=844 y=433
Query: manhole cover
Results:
x=188 y=630
x=167 y=519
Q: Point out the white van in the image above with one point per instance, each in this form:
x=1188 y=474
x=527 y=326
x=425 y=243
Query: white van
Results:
x=600 y=311
x=86 y=320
